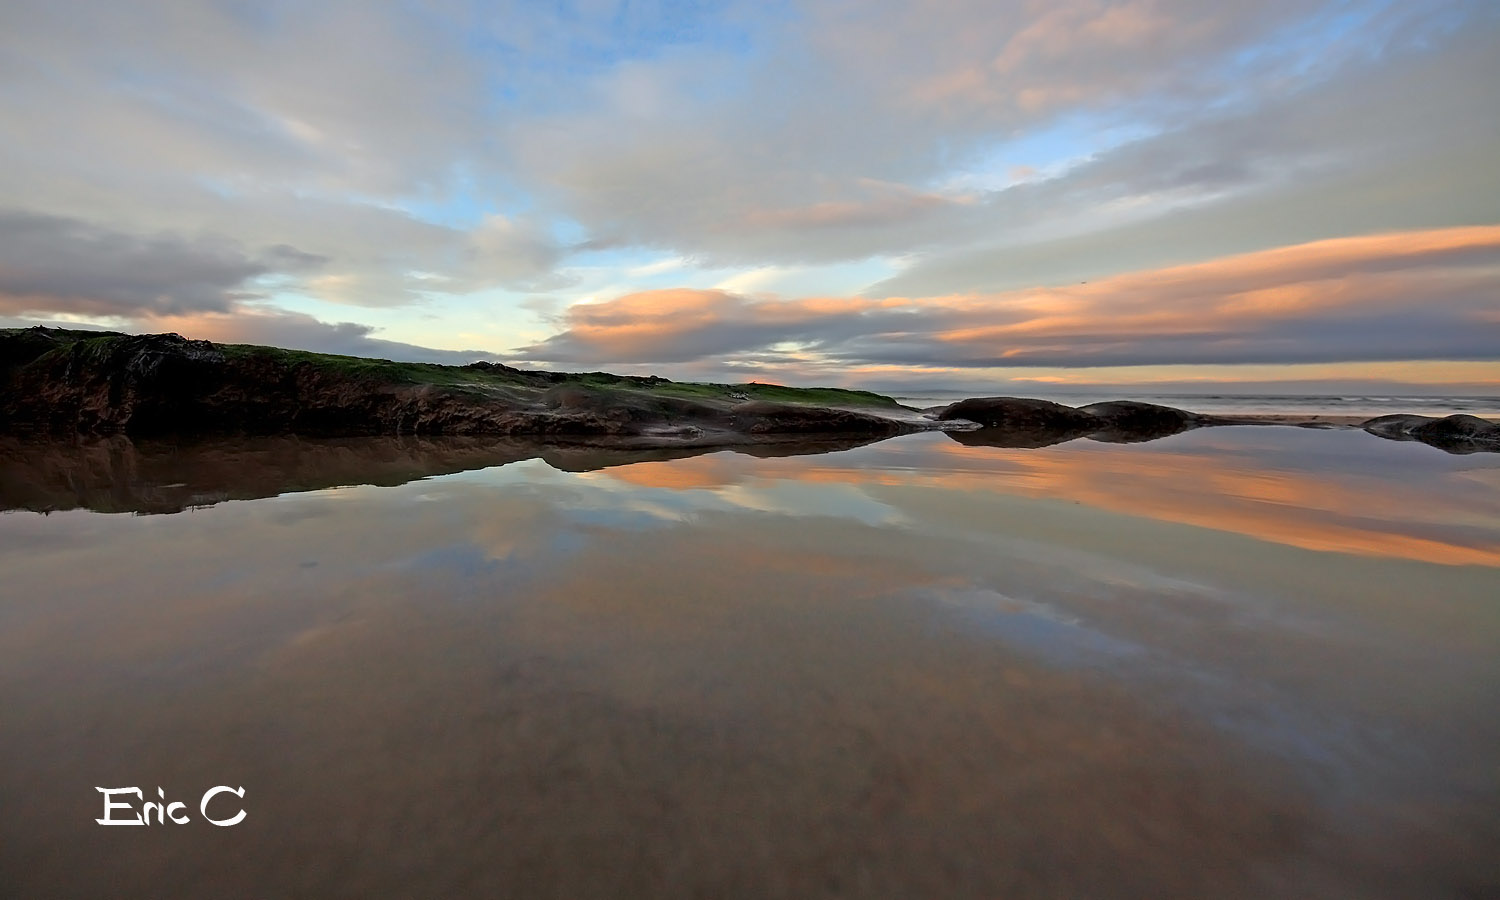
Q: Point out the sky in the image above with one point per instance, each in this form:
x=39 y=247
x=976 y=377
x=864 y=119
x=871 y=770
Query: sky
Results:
x=1025 y=195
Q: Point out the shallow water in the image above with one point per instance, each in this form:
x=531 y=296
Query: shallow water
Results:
x=1245 y=662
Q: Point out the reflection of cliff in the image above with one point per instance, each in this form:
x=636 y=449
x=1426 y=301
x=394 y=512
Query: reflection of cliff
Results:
x=117 y=474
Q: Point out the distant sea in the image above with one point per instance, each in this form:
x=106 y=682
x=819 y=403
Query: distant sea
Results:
x=1245 y=404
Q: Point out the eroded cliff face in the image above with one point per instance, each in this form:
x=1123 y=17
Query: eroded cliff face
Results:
x=60 y=381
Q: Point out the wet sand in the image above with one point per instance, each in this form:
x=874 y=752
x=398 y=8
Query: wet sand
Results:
x=918 y=669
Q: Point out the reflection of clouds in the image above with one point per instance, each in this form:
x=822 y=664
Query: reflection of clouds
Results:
x=769 y=650
x=1326 y=491
x=518 y=527
x=803 y=499
x=1345 y=512
x=1041 y=628
x=710 y=471
x=1490 y=478
x=456 y=535
x=681 y=489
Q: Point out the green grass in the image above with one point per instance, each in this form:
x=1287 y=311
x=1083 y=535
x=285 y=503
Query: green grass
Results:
x=382 y=370
x=431 y=373
x=776 y=393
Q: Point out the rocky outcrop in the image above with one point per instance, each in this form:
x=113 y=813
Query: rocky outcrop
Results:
x=1021 y=422
x=1020 y=414
x=69 y=382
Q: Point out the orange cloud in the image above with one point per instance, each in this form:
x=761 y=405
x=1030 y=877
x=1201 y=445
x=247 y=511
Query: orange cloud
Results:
x=1408 y=295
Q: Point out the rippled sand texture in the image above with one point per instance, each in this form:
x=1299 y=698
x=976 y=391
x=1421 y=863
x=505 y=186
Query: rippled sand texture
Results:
x=1226 y=664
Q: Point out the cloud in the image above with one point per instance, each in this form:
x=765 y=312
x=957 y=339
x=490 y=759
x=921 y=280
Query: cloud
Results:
x=684 y=325
x=53 y=264
x=297 y=331
x=1402 y=144
x=1409 y=295
x=1007 y=64
x=362 y=136
x=839 y=145
x=327 y=98
x=450 y=155
x=202 y=287
x=273 y=328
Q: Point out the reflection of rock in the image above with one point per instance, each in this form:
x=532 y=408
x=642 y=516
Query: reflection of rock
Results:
x=593 y=457
x=1013 y=438
x=118 y=474
x=1455 y=434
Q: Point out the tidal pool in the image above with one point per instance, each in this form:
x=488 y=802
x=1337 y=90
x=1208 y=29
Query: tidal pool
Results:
x=1238 y=662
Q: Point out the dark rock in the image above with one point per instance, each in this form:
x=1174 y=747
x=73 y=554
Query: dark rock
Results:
x=1026 y=423
x=1018 y=422
x=1459 y=428
x=763 y=417
x=1395 y=427
x=1020 y=413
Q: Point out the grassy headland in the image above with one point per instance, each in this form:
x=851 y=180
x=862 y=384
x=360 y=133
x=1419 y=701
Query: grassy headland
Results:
x=88 y=381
